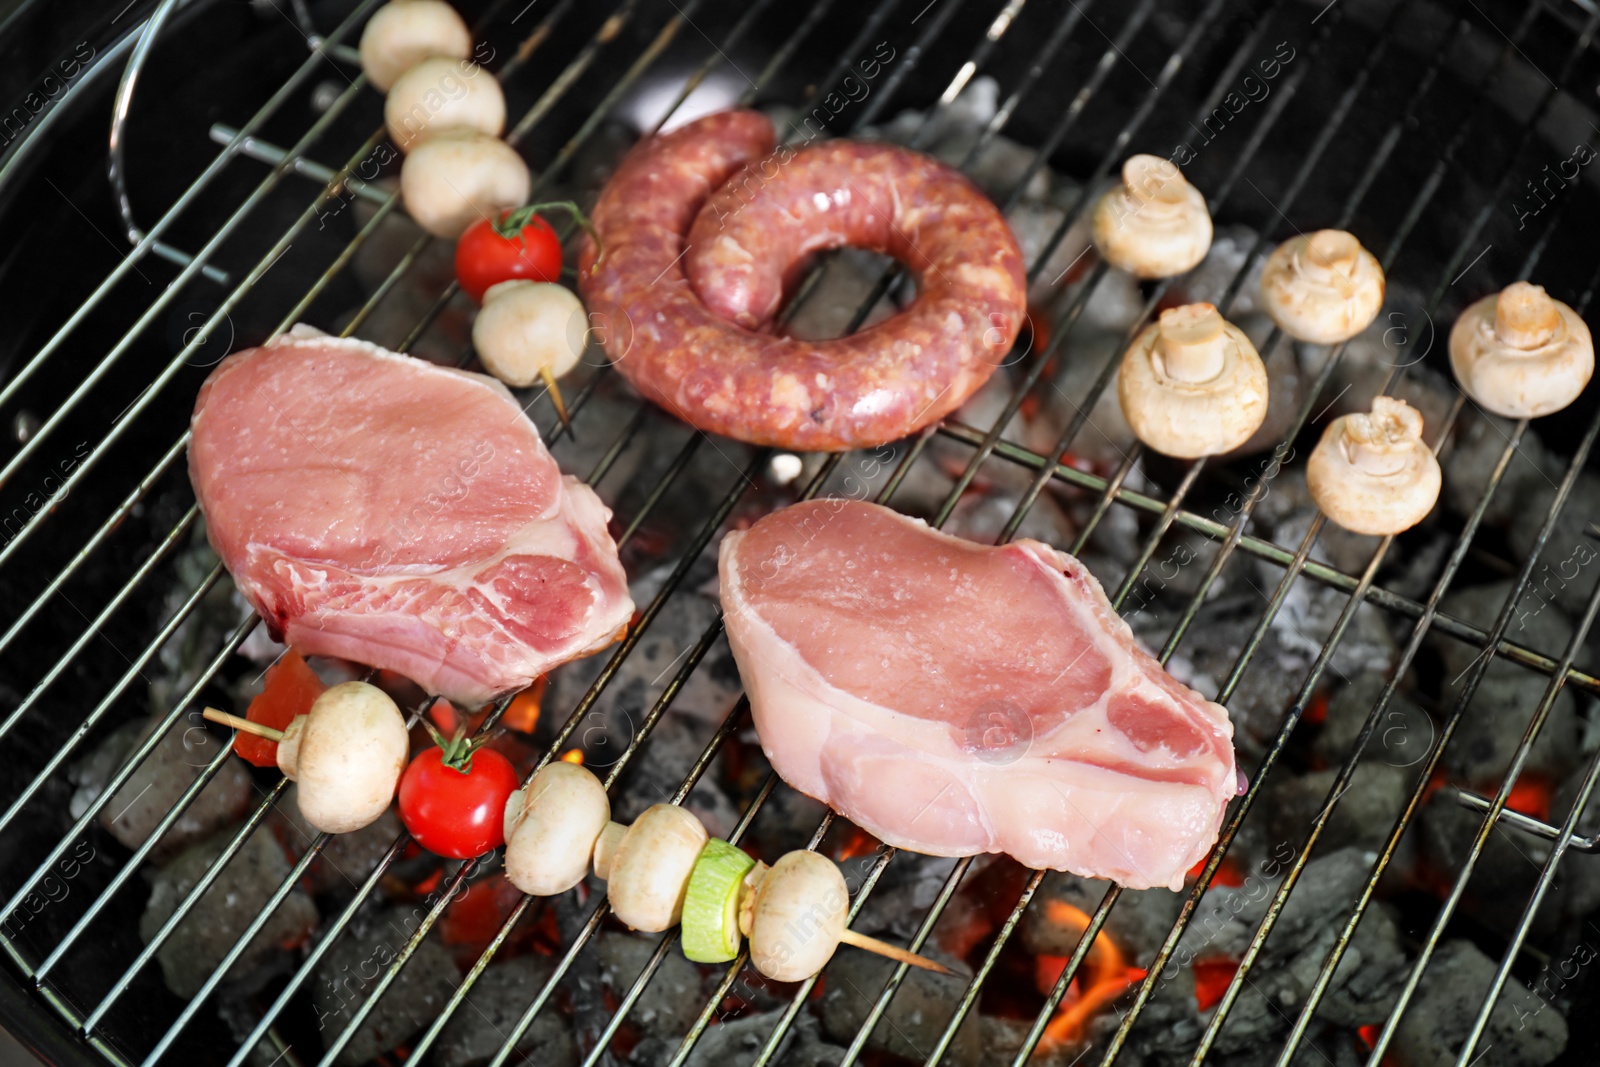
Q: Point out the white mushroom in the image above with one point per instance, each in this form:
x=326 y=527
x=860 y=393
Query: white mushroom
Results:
x=551 y=826
x=442 y=94
x=605 y=848
x=527 y=328
x=1322 y=287
x=1192 y=384
x=1372 y=473
x=797 y=918
x=347 y=754
x=457 y=178
x=650 y=869
x=1154 y=224
x=1520 y=353
x=403 y=33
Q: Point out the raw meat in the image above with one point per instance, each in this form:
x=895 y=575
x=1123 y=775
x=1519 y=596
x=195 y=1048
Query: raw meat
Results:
x=701 y=230
x=954 y=698
x=382 y=509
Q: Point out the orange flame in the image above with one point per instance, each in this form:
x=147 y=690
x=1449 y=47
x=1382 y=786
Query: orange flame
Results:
x=572 y=755
x=1108 y=976
x=522 y=714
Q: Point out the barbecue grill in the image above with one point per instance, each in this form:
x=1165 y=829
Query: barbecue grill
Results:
x=1432 y=130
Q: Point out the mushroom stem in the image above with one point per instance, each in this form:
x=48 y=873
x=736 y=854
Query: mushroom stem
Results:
x=1191 y=343
x=1381 y=443
x=1151 y=181
x=605 y=848
x=1525 y=317
x=240 y=723
x=893 y=952
x=1331 y=254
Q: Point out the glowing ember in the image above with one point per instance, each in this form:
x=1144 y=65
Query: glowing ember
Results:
x=572 y=755
x=1211 y=980
x=522 y=714
x=1531 y=796
x=1228 y=872
x=1104 y=976
x=857 y=843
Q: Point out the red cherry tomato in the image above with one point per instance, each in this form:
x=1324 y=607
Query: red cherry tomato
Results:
x=454 y=804
x=515 y=244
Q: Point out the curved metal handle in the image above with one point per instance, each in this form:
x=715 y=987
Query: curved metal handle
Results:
x=116 y=168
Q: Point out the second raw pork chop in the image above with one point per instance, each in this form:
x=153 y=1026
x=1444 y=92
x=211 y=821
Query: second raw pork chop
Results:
x=383 y=509
x=953 y=698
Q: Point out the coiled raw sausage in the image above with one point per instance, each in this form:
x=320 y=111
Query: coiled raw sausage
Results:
x=703 y=228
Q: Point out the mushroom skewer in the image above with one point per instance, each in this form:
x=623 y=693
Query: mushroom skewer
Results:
x=665 y=869
x=346 y=753
x=528 y=332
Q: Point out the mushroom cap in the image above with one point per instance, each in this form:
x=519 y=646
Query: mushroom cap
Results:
x=1521 y=353
x=349 y=752
x=799 y=916
x=525 y=326
x=1372 y=473
x=1168 y=408
x=440 y=94
x=650 y=870
x=457 y=178
x=1153 y=224
x=403 y=33
x=1322 y=287
x=551 y=826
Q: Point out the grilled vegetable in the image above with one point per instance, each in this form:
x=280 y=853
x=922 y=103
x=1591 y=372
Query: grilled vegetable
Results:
x=711 y=904
x=347 y=754
x=550 y=828
x=404 y=33
x=453 y=797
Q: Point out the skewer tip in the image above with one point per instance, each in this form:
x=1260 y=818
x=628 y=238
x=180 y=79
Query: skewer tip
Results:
x=242 y=724
x=555 y=398
x=894 y=952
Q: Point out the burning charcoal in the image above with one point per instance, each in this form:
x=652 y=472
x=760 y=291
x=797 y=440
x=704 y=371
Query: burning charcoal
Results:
x=1400 y=738
x=1362 y=991
x=1105 y=436
x=915 y=1018
x=1567 y=570
x=1480 y=438
x=1364 y=811
x=1035 y=223
x=1286 y=509
x=208 y=932
x=493 y=1008
x=845 y=279
x=676 y=992
x=152 y=790
x=1061 y=908
x=903 y=894
x=1494 y=722
x=1364 y=370
x=1578 y=877
x=1523 y=1030
x=741 y=1040
x=1505 y=873
x=1210 y=280
x=1307 y=618
x=346 y=859
x=1003 y=1038
x=351 y=970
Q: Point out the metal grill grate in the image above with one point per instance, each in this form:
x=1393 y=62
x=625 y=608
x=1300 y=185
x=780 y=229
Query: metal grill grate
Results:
x=1196 y=75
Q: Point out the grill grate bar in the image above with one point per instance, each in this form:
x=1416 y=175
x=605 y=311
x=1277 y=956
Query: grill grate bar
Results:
x=1565 y=839
x=1267 y=550
x=162 y=550
x=216 y=867
x=128 y=262
x=201 y=335
x=1527 y=823
x=1418 y=633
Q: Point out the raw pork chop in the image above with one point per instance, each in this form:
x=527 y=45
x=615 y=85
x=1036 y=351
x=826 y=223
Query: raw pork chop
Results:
x=953 y=698
x=382 y=509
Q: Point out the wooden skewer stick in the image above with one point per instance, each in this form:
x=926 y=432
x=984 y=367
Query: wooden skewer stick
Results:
x=894 y=952
x=240 y=723
x=555 y=398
